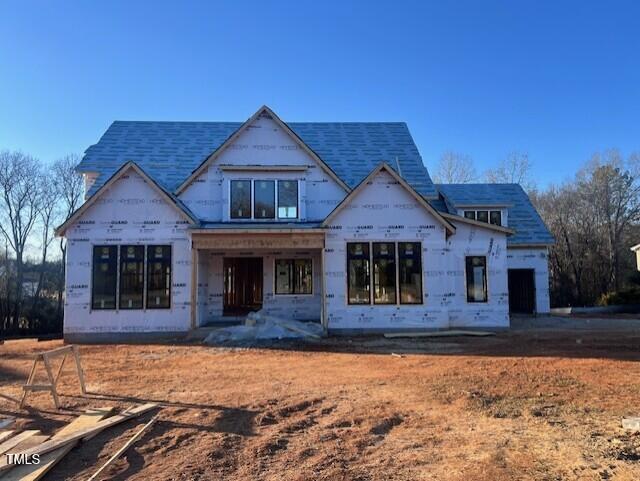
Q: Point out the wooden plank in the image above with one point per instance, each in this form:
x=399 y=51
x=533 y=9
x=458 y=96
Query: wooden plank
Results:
x=5 y=435
x=54 y=444
x=121 y=451
x=452 y=333
x=6 y=422
x=76 y=355
x=52 y=380
x=29 y=381
x=57 y=351
x=49 y=460
x=17 y=439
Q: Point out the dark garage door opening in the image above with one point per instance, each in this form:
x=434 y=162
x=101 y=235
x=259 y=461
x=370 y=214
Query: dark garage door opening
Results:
x=522 y=291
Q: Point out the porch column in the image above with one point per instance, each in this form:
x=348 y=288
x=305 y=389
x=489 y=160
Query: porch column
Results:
x=323 y=302
x=194 y=286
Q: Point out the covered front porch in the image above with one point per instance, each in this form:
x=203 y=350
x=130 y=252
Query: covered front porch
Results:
x=239 y=270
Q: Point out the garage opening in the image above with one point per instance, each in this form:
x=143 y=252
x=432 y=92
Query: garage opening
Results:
x=522 y=291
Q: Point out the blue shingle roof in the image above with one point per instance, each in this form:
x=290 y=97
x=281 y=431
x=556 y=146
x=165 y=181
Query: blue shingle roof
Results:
x=171 y=151
x=522 y=215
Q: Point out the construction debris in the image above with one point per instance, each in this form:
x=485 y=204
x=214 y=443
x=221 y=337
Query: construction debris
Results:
x=631 y=424
x=53 y=449
x=47 y=358
x=126 y=446
x=6 y=422
x=450 y=333
x=262 y=327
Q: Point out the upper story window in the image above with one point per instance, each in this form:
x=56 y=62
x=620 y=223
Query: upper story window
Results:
x=265 y=199
x=257 y=199
x=240 y=199
x=287 y=199
x=482 y=215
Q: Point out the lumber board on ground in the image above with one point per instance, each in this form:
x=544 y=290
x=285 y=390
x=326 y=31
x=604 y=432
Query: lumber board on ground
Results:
x=5 y=435
x=50 y=459
x=17 y=439
x=54 y=444
x=451 y=333
x=121 y=451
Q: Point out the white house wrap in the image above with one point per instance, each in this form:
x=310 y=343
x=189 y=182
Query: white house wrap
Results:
x=190 y=224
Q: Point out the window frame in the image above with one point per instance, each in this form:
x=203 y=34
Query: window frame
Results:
x=347 y=278
x=468 y=212
x=297 y=184
x=275 y=199
x=396 y=274
x=147 y=277
x=292 y=261
x=231 y=215
x=419 y=257
x=144 y=277
x=485 y=280
x=117 y=277
x=499 y=212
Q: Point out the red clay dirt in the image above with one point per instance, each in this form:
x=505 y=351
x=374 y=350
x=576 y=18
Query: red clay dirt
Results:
x=526 y=405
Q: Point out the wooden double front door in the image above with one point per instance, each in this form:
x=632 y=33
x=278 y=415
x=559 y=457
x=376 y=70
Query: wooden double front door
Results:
x=242 y=285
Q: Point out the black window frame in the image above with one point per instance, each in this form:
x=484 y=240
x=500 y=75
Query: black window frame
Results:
x=365 y=257
x=416 y=256
x=274 y=205
x=483 y=212
x=297 y=197
x=293 y=276
x=378 y=256
x=469 y=277
x=164 y=260
x=121 y=284
x=232 y=214
x=470 y=214
x=115 y=267
x=499 y=215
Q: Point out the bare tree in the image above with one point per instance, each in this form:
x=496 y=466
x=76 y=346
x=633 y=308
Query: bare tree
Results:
x=515 y=168
x=70 y=189
x=19 y=207
x=50 y=195
x=455 y=168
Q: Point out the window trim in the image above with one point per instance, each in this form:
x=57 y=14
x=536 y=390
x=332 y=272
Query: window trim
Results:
x=396 y=274
x=347 y=259
x=146 y=283
x=91 y=282
x=421 y=297
x=275 y=200
x=371 y=302
x=486 y=279
x=297 y=183
x=231 y=217
x=275 y=276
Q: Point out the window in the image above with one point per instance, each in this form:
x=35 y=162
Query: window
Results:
x=358 y=274
x=491 y=216
x=240 y=199
x=158 y=277
x=131 y=277
x=104 y=277
x=410 y=272
x=384 y=273
x=476 y=270
x=294 y=276
x=287 y=199
x=265 y=199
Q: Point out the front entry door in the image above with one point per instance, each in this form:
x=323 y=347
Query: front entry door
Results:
x=242 y=285
x=522 y=291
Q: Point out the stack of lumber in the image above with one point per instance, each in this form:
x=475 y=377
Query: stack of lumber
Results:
x=52 y=449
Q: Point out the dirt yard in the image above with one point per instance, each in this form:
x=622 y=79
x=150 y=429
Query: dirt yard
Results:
x=525 y=405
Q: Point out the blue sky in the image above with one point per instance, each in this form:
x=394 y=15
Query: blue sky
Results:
x=559 y=80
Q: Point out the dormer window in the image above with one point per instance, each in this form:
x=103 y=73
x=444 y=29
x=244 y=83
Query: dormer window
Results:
x=263 y=199
x=489 y=216
x=240 y=199
x=287 y=199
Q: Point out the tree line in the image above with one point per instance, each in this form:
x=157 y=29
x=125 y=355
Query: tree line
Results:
x=594 y=218
x=34 y=199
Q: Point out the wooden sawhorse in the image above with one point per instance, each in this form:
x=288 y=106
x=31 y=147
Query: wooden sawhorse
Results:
x=46 y=358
